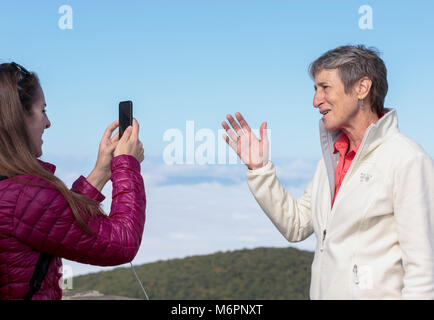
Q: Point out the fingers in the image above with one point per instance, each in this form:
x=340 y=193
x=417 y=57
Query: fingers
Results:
x=127 y=133
x=229 y=131
x=135 y=127
x=245 y=127
x=234 y=125
x=230 y=142
x=115 y=138
x=263 y=131
x=243 y=122
x=142 y=156
x=129 y=143
x=131 y=131
x=109 y=131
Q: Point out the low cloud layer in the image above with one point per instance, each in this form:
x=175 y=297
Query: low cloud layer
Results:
x=195 y=210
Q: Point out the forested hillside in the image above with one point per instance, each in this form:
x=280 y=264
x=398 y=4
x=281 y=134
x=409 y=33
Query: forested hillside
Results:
x=261 y=273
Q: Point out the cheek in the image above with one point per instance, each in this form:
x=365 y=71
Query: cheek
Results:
x=34 y=128
x=330 y=97
x=30 y=126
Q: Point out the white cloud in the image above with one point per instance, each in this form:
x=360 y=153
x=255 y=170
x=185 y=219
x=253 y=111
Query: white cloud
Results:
x=240 y=216
x=183 y=236
x=247 y=238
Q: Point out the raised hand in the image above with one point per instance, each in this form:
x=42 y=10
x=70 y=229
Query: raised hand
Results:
x=102 y=172
x=130 y=143
x=252 y=151
x=106 y=148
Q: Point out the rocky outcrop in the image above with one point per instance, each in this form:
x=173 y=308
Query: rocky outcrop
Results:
x=90 y=295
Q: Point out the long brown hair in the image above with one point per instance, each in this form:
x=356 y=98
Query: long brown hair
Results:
x=17 y=94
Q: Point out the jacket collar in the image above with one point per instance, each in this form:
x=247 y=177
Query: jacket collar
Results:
x=374 y=136
x=47 y=166
x=379 y=132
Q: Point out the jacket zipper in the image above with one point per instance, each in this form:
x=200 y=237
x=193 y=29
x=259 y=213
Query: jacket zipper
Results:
x=354 y=162
x=356 y=275
x=324 y=233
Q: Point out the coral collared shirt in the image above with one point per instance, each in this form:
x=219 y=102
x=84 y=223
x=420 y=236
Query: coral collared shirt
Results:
x=345 y=159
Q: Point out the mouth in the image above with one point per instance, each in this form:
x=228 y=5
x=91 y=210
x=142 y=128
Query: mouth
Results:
x=324 y=113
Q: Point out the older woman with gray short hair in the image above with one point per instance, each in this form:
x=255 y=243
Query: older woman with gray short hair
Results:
x=371 y=201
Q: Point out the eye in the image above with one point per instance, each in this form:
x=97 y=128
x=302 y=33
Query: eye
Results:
x=44 y=110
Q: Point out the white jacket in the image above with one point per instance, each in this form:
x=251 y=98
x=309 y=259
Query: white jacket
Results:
x=377 y=242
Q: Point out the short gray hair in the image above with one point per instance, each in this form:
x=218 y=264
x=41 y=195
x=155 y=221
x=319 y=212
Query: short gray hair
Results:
x=354 y=63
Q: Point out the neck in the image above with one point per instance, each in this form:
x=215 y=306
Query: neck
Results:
x=356 y=129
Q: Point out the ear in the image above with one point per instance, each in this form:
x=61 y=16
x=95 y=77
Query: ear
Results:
x=363 y=87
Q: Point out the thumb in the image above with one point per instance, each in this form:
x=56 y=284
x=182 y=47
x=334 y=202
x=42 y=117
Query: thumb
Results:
x=263 y=131
x=114 y=145
x=127 y=133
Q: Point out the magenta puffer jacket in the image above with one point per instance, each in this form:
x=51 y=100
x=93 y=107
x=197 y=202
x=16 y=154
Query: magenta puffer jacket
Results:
x=35 y=219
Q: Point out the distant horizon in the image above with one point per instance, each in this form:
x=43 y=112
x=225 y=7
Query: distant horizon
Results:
x=128 y=266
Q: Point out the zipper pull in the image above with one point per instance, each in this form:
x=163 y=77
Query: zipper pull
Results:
x=323 y=239
x=356 y=276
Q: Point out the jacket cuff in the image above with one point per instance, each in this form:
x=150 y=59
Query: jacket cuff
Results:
x=125 y=161
x=257 y=172
x=82 y=186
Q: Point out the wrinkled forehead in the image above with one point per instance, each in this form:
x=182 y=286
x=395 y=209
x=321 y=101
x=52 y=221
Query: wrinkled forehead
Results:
x=327 y=76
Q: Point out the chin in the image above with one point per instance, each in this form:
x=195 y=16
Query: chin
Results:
x=38 y=154
x=329 y=127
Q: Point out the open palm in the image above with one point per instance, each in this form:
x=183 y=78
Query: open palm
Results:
x=252 y=151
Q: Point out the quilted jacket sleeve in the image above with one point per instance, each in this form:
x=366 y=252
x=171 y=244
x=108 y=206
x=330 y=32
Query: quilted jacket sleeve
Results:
x=44 y=220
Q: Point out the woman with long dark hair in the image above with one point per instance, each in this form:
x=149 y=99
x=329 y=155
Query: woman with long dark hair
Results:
x=41 y=220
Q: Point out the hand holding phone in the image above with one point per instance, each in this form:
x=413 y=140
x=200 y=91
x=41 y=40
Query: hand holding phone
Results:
x=129 y=142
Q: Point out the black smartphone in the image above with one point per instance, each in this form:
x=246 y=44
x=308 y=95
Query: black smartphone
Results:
x=125 y=116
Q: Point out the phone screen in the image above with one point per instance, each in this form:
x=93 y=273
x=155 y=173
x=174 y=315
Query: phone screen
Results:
x=125 y=116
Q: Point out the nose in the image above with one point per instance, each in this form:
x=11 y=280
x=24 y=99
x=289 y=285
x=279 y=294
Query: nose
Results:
x=48 y=124
x=318 y=99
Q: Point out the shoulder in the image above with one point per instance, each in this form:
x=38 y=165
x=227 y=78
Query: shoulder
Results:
x=405 y=161
x=27 y=183
x=28 y=190
x=403 y=149
x=26 y=198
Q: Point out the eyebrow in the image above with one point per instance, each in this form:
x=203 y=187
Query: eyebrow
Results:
x=321 y=84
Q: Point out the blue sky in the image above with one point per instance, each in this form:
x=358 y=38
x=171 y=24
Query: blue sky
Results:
x=199 y=60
